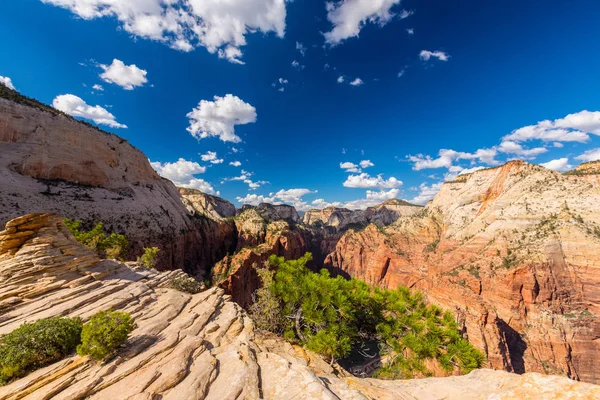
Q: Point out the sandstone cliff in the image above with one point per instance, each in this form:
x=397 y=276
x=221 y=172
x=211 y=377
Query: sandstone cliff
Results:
x=186 y=346
x=50 y=162
x=514 y=251
x=341 y=219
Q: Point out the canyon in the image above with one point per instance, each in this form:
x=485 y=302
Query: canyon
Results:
x=200 y=346
x=512 y=251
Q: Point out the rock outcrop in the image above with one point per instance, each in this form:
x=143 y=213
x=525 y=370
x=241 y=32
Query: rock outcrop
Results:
x=50 y=162
x=514 y=251
x=210 y=206
x=200 y=346
x=342 y=219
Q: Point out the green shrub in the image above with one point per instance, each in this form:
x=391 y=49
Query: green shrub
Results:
x=37 y=344
x=148 y=259
x=185 y=284
x=331 y=315
x=104 y=333
x=111 y=246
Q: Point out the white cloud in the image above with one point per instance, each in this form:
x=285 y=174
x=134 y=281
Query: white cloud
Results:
x=558 y=145
x=440 y=55
x=340 y=79
x=293 y=197
x=349 y=167
x=350 y=16
x=561 y=165
x=300 y=47
x=406 y=13
x=366 y=164
x=401 y=73
x=235 y=163
x=357 y=82
x=572 y=128
x=75 y=106
x=321 y=203
x=98 y=87
x=297 y=65
x=182 y=172
x=427 y=193
x=589 y=155
x=126 y=76
x=373 y=198
x=219 y=26
x=211 y=156
x=282 y=81
x=410 y=31
x=365 y=181
x=245 y=177
x=510 y=147
x=447 y=156
x=219 y=117
x=7 y=82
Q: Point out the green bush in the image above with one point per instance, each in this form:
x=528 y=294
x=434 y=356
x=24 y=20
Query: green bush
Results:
x=104 y=333
x=37 y=344
x=331 y=315
x=148 y=259
x=185 y=284
x=111 y=246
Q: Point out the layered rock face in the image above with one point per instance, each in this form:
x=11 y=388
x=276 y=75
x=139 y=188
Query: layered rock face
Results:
x=213 y=207
x=53 y=163
x=514 y=251
x=341 y=219
x=186 y=346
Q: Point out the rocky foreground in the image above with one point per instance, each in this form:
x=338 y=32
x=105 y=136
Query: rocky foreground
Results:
x=186 y=346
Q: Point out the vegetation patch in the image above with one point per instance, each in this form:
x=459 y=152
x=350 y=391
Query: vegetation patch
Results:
x=331 y=315
x=37 y=344
x=112 y=245
x=104 y=333
x=185 y=284
x=149 y=258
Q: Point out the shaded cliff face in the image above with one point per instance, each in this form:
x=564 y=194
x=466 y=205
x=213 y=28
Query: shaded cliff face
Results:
x=52 y=163
x=200 y=346
x=514 y=251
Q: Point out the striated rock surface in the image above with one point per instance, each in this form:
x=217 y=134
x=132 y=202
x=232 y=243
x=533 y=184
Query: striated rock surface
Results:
x=274 y=212
x=186 y=346
x=341 y=219
x=515 y=251
x=213 y=207
x=53 y=163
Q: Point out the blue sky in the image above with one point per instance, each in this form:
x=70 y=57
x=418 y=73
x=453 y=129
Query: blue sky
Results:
x=464 y=89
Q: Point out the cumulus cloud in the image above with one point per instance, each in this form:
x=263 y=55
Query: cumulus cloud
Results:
x=340 y=79
x=373 y=198
x=219 y=26
x=293 y=197
x=365 y=181
x=426 y=193
x=300 y=47
x=572 y=128
x=348 y=17
x=426 y=55
x=235 y=163
x=76 y=107
x=7 y=82
x=357 y=82
x=219 y=118
x=297 y=65
x=510 y=147
x=349 y=167
x=245 y=177
x=410 y=31
x=126 y=76
x=366 y=164
x=182 y=174
x=211 y=156
x=589 y=155
x=446 y=157
x=560 y=165
x=98 y=87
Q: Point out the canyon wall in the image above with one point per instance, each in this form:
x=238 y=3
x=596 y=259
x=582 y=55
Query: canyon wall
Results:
x=50 y=162
x=514 y=251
